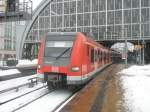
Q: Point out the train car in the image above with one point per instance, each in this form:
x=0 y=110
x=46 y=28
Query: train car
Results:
x=70 y=58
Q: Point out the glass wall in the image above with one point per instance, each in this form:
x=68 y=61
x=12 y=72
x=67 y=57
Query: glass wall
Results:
x=107 y=19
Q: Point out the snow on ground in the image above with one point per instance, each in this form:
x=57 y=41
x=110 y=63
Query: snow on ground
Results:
x=13 y=94
x=23 y=63
x=9 y=72
x=47 y=103
x=14 y=82
x=15 y=104
x=136 y=84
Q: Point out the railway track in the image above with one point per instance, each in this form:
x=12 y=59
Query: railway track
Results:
x=15 y=84
x=5 y=99
x=23 y=100
x=47 y=100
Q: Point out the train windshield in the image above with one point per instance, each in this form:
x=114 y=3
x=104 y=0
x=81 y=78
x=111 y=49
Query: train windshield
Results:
x=57 y=52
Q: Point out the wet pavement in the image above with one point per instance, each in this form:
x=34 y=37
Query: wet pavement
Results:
x=102 y=94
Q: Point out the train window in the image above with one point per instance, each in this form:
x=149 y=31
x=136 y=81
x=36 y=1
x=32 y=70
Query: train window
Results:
x=92 y=55
x=88 y=52
x=95 y=57
x=59 y=43
x=104 y=55
x=58 y=49
x=99 y=55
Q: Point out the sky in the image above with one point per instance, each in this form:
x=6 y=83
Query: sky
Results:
x=35 y=3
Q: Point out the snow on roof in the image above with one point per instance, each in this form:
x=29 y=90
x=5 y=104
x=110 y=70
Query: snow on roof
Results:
x=9 y=72
x=136 y=84
x=121 y=46
x=23 y=63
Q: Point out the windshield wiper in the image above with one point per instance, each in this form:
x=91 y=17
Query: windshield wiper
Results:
x=63 y=53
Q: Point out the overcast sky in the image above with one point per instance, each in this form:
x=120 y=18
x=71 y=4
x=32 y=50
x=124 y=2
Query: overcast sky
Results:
x=35 y=3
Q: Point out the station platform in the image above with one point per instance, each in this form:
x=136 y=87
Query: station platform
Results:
x=102 y=94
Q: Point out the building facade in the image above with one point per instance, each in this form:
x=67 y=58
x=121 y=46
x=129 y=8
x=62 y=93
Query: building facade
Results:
x=106 y=19
x=7 y=40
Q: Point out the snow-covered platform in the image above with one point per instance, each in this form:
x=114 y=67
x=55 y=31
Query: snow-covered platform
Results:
x=136 y=84
x=23 y=68
x=13 y=83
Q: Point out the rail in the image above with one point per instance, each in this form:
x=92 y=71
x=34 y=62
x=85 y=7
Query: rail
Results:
x=32 y=82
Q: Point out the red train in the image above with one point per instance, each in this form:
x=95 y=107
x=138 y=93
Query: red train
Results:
x=70 y=58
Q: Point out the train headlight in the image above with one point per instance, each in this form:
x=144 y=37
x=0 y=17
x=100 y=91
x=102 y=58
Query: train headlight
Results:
x=39 y=66
x=75 y=69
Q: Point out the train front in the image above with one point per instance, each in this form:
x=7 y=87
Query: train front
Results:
x=54 y=60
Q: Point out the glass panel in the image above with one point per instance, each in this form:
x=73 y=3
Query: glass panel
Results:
x=47 y=10
x=59 y=21
x=94 y=18
x=135 y=15
x=47 y=22
x=95 y=33
x=135 y=3
x=73 y=7
x=73 y=21
x=128 y=27
x=80 y=19
x=110 y=5
x=41 y=22
x=66 y=8
x=53 y=22
x=80 y=6
x=127 y=16
x=59 y=8
x=87 y=19
x=102 y=18
x=145 y=3
x=102 y=31
x=135 y=30
x=118 y=17
x=118 y=4
x=102 y=5
x=145 y=30
x=66 y=21
x=127 y=4
x=95 y=5
x=110 y=17
x=86 y=5
x=35 y=25
x=145 y=15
